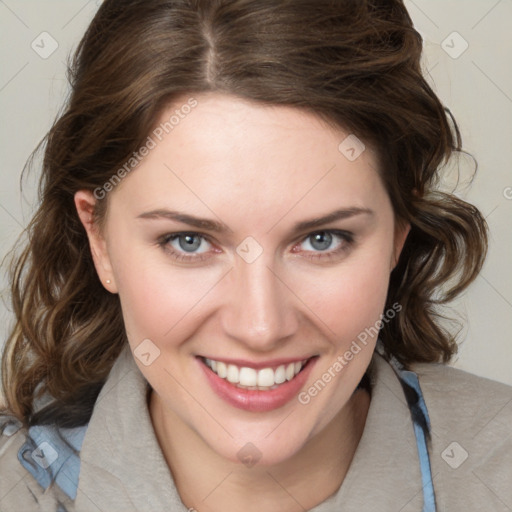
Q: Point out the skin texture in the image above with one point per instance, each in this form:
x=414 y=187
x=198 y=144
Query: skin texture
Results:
x=259 y=170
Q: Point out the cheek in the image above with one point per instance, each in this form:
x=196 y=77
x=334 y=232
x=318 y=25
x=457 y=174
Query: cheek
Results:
x=352 y=296
x=157 y=299
x=363 y=300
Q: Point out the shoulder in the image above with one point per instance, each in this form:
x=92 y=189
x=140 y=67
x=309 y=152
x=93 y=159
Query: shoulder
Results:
x=456 y=378
x=471 y=420
x=18 y=489
x=464 y=403
x=460 y=395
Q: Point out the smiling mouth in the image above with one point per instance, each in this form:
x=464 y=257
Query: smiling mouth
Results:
x=263 y=379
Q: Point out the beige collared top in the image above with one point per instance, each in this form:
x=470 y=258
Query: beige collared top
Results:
x=123 y=468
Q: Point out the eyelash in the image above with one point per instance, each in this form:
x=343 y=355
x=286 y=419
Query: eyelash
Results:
x=346 y=240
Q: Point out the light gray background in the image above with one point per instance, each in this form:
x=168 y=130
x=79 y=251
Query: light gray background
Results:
x=475 y=84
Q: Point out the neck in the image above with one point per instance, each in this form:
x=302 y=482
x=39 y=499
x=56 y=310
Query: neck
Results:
x=206 y=481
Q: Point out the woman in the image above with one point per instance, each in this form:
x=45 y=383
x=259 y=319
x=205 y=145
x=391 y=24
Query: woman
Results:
x=230 y=296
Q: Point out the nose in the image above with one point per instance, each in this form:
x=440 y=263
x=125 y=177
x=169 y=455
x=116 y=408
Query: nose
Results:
x=259 y=309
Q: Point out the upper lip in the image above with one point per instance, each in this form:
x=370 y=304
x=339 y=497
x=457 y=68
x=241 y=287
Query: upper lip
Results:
x=257 y=365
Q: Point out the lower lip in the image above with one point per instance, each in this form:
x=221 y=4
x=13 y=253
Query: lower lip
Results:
x=254 y=400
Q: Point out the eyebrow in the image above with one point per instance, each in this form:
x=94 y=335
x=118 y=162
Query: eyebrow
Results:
x=207 y=224
x=343 y=213
x=220 y=227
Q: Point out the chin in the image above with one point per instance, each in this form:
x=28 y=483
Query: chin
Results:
x=261 y=452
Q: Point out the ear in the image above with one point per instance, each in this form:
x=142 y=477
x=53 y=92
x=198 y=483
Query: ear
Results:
x=85 y=203
x=402 y=229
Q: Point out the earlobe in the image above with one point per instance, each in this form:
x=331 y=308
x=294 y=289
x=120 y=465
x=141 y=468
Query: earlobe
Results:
x=85 y=203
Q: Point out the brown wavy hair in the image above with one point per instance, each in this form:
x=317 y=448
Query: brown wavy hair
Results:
x=354 y=63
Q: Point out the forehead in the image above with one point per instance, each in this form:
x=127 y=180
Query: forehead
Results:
x=220 y=122
x=261 y=159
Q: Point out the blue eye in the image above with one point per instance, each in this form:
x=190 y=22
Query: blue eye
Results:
x=326 y=241
x=185 y=246
x=190 y=247
x=320 y=241
x=189 y=242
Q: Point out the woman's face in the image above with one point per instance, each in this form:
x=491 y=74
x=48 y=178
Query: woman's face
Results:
x=248 y=236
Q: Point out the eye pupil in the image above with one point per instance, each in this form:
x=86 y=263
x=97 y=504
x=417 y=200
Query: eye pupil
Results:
x=189 y=243
x=321 y=241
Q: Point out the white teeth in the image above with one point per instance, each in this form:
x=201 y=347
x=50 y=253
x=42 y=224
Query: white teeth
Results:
x=280 y=374
x=222 y=369
x=250 y=378
x=266 y=377
x=233 y=375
